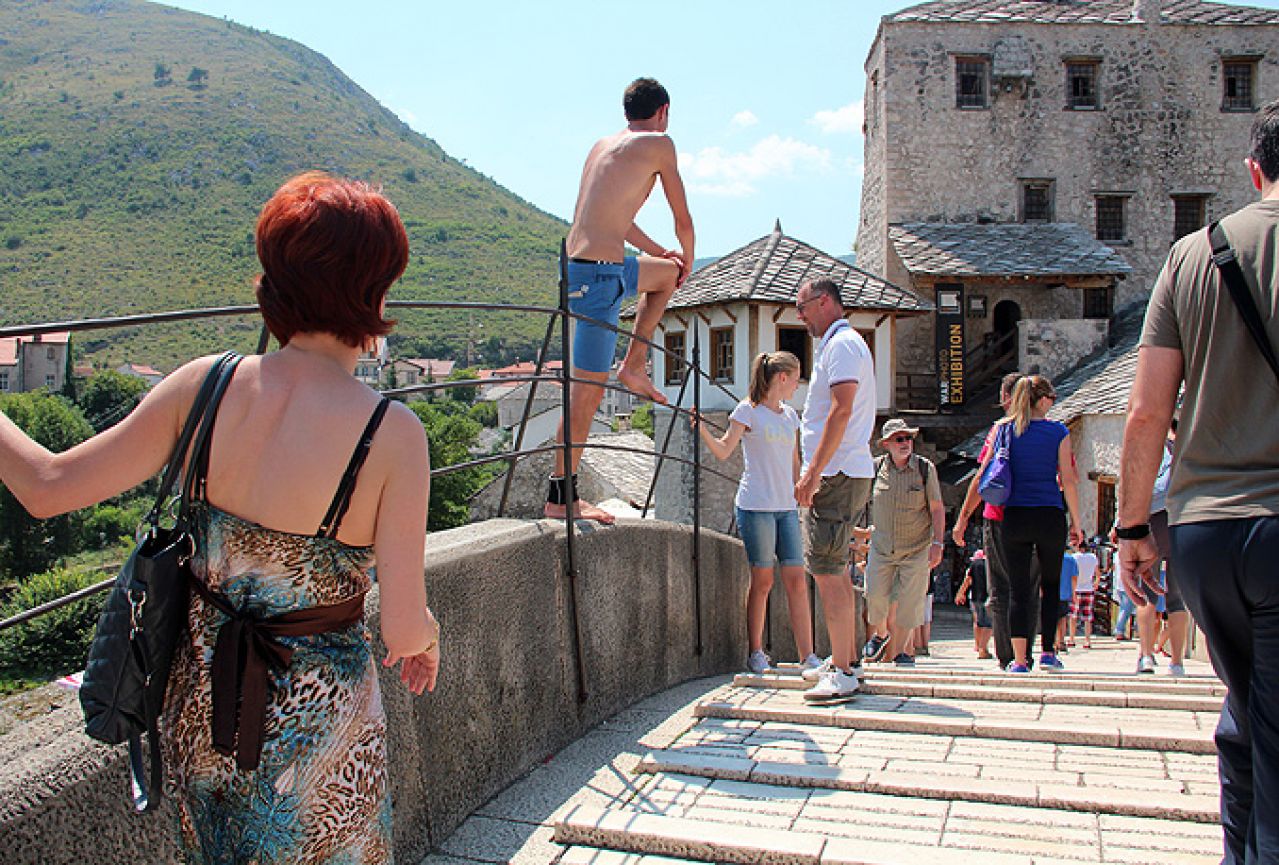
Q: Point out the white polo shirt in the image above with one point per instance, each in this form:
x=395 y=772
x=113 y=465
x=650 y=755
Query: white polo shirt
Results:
x=843 y=356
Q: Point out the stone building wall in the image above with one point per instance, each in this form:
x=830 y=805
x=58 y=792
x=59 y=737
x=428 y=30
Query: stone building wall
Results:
x=1052 y=346
x=1096 y=441
x=1160 y=129
x=673 y=498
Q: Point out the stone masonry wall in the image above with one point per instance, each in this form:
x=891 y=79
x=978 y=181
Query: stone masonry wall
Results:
x=1052 y=346
x=1160 y=129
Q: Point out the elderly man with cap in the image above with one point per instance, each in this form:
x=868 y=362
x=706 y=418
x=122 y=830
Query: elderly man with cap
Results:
x=905 y=545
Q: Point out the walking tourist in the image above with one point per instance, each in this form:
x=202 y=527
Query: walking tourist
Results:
x=992 y=539
x=767 y=515
x=619 y=175
x=1081 y=609
x=835 y=480
x=286 y=430
x=1066 y=598
x=909 y=522
x=1036 y=520
x=1164 y=618
x=1223 y=499
x=973 y=593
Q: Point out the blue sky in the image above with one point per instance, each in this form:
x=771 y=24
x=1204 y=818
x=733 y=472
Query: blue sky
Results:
x=766 y=97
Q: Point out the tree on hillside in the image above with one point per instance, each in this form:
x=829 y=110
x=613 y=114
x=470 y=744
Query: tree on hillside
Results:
x=197 y=77
x=28 y=545
x=109 y=396
x=452 y=433
x=463 y=394
x=163 y=75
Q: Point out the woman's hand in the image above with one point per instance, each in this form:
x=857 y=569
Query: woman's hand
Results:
x=420 y=671
x=961 y=600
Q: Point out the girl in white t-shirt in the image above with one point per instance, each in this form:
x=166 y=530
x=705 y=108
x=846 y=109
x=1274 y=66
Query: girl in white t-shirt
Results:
x=767 y=514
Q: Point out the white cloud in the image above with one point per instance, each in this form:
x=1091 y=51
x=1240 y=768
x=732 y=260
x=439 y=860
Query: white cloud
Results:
x=744 y=119
x=713 y=171
x=846 y=119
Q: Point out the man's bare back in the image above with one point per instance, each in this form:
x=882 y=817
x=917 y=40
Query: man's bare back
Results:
x=617 y=179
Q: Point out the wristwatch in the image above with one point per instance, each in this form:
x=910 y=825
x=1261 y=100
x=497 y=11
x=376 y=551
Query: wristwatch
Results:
x=1132 y=533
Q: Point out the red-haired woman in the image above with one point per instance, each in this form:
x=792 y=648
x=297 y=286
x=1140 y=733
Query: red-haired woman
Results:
x=285 y=525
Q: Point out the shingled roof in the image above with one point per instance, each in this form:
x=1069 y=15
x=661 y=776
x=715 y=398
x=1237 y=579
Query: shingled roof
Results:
x=1017 y=249
x=772 y=269
x=1079 y=12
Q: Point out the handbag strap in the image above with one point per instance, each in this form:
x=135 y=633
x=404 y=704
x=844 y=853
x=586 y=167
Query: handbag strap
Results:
x=178 y=457
x=197 y=476
x=1223 y=255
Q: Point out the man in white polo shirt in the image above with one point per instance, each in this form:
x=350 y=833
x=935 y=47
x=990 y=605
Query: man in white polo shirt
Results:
x=839 y=417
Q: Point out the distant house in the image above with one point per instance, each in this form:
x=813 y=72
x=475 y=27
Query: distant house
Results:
x=521 y=368
x=410 y=372
x=149 y=374
x=744 y=304
x=29 y=363
x=369 y=365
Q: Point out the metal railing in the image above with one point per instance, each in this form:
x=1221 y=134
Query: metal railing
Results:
x=565 y=379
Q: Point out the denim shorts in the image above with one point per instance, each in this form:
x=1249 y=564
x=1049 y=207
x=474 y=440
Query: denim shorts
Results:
x=596 y=290
x=771 y=536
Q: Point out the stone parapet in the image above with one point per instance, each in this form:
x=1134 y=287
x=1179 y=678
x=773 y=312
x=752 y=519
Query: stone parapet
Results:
x=507 y=697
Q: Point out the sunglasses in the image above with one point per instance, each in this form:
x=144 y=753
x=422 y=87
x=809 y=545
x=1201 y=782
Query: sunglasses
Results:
x=901 y=438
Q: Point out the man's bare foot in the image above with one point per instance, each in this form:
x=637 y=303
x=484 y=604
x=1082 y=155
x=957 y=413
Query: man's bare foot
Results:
x=583 y=511
x=640 y=384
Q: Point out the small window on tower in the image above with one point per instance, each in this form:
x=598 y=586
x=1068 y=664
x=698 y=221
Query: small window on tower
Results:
x=1082 y=77
x=972 y=82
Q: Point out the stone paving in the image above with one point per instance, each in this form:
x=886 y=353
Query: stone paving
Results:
x=949 y=762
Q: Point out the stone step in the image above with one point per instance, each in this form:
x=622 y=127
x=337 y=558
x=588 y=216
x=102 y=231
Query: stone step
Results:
x=1164 y=730
x=1042 y=690
x=1139 y=797
x=935 y=673
x=758 y=824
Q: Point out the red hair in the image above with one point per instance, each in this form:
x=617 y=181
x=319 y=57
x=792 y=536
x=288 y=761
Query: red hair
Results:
x=330 y=249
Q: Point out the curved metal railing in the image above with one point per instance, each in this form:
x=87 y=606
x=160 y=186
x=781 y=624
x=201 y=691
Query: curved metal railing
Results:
x=564 y=378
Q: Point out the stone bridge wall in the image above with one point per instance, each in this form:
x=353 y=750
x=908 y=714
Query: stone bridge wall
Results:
x=506 y=700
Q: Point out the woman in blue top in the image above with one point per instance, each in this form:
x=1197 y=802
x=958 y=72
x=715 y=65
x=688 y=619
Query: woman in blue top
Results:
x=767 y=514
x=1035 y=518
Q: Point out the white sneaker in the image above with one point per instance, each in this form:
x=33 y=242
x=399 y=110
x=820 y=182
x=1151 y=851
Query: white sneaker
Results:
x=833 y=684
x=812 y=674
x=1145 y=664
x=1176 y=670
x=812 y=662
x=759 y=662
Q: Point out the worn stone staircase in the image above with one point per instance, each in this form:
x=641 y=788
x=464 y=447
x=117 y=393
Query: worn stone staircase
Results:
x=947 y=762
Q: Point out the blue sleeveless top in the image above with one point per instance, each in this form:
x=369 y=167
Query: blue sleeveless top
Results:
x=1033 y=456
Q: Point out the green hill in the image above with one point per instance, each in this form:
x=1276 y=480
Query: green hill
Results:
x=138 y=142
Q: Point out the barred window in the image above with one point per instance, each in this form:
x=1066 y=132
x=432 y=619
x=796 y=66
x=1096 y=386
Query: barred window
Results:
x=1187 y=214
x=1081 y=84
x=722 y=354
x=674 y=343
x=1036 y=201
x=1237 y=76
x=1110 y=218
x=4 y=381
x=1098 y=302
x=972 y=78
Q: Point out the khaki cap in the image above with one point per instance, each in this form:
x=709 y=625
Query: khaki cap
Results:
x=896 y=425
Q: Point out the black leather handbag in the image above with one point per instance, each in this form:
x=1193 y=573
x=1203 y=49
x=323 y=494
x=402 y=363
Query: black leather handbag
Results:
x=146 y=616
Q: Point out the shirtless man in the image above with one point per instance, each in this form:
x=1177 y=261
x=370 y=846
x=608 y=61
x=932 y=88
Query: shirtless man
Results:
x=619 y=175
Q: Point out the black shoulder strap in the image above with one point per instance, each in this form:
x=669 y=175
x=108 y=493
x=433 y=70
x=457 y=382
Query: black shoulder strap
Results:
x=342 y=498
x=924 y=463
x=178 y=458
x=1232 y=275
x=198 y=470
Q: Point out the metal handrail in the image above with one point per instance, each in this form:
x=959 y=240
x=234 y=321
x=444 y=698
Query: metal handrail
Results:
x=564 y=379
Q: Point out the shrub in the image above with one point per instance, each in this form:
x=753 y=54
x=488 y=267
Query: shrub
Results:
x=55 y=643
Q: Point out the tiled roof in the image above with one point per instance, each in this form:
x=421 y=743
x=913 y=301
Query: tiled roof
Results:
x=772 y=269
x=1009 y=249
x=1079 y=12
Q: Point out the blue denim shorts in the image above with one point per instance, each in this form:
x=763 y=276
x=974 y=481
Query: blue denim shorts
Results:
x=596 y=290
x=771 y=536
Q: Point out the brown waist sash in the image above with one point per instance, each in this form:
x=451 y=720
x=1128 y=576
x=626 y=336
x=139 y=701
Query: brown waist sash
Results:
x=244 y=648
